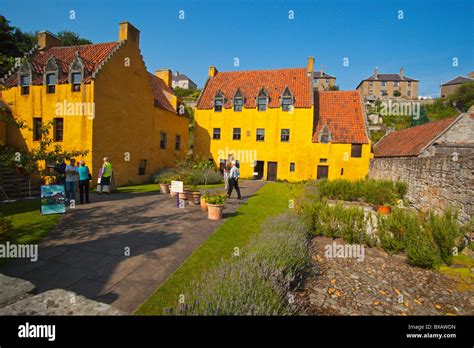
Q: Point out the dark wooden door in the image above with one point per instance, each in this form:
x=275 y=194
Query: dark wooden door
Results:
x=259 y=169
x=323 y=172
x=272 y=171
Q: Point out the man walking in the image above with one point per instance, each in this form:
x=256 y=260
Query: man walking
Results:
x=106 y=174
x=71 y=180
x=234 y=175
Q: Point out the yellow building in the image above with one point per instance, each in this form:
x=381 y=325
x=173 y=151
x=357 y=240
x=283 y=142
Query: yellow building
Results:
x=100 y=98
x=278 y=127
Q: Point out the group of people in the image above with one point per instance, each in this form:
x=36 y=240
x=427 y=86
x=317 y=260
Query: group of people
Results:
x=74 y=177
x=231 y=178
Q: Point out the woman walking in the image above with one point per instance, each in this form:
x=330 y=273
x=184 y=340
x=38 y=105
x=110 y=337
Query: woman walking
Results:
x=84 y=177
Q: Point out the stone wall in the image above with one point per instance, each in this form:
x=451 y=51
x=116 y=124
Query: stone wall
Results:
x=433 y=182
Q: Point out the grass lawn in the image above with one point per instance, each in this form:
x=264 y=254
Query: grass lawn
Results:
x=156 y=188
x=29 y=226
x=271 y=199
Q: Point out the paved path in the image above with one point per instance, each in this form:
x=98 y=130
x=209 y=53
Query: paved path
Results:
x=85 y=253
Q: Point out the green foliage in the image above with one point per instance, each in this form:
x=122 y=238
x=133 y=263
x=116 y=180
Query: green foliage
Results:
x=164 y=175
x=422 y=119
x=440 y=109
x=463 y=96
x=397 y=93
x=216 y=198
x=6 y=228
x=421 y=249
x=334 y=88
x=69 y=38
x=188 y=94
x=394 y=227
x=445 y=230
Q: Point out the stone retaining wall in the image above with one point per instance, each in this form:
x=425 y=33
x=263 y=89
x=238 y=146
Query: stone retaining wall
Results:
x=433 y=182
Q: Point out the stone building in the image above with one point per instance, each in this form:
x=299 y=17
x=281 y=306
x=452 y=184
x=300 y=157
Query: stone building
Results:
x=389 y=85
x=436 y=159
x=182 y=81
x=449 y=87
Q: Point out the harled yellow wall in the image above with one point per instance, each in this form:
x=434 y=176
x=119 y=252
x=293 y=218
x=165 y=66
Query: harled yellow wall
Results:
x=300 y=149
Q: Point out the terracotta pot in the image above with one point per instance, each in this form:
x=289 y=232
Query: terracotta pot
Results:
x=214 y=211
x=164 y=188
x=183 y=195
x=194 y=198
x=384 y=209
x=203 y=204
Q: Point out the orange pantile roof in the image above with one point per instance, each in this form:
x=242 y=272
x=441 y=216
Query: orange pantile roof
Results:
x=410 y=141
x=342 y=113
x=159 y=88
x=251 y=82
x=92 y=56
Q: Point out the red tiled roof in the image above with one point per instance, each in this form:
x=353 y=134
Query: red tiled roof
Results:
x=159 y=88
x=342 y=113
x=92 y=56
x=410 y=141
x=250 y=83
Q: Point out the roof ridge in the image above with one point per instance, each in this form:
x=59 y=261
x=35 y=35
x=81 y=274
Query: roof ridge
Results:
x=258 y=70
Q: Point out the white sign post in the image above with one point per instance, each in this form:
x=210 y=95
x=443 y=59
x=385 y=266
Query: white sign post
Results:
x=177 y=186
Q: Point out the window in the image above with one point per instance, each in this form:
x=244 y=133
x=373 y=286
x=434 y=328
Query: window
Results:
x=50 y=83
x=37 y=123
x=323 y=160
x=177 y=142
x=371 y=83
x=262 y=100
x=286 y=100
x=25 y=84
x=409 y=83
x=142 y=167
x=383 y=92
x=370 y=92
x=285 y=135
x=238 y=101
x=76 y=79
x=342 y=171
x=163 y=140
x=292 y=167
x=236 y=134
x=218 y=102
x=356 y=150
x=409 y=93
x=58 y=129
x=216 y=133
x=327 y=81
x=396 y=84
x=260 y=134
x=383 y=83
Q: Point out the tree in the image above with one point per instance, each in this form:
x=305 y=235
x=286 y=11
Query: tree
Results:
x=334 y=88
x=69 y=38
x=463 y=96
x=440 y=109
x=422 y=119
x=397 y=93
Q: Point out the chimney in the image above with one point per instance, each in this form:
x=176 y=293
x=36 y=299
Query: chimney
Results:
x=165 y=75
x=376 y=73
x=129 y=33
x=310 y=66
x=212 y=71
x=47 y=40
x=321 y=70
x=471 y=75
x=402 y=73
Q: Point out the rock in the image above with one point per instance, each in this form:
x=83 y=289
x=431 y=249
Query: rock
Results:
x=14 y=289
x=59 y=302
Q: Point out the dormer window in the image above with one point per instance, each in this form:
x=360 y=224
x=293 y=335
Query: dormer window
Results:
x=262 y=100
x=76 y=74
x=238 y=101
x=325 y=135
x=218 y=102
x=286 y=100
x=51 y=75
x=25 y=84
x=50 y=83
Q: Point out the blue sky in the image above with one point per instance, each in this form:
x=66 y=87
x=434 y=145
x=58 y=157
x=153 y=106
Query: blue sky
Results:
x=368 y=33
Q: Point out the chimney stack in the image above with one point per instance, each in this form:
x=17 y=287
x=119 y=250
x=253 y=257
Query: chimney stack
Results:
x=310 y=66
x=165 y=75
x=212 y=71
x=47 y=40
x=402 y=73
x=321 y=70
x=376 y=73
x=127 y=32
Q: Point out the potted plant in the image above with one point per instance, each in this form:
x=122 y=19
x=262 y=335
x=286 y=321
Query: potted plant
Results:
x=194 y=195
x=203 y=202
x=165 y=185
x=384 y=201
x=215 y=205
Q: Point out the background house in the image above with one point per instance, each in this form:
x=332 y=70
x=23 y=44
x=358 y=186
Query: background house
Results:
x=449 y=87
x=389 y=85
x=323 y=81
x=182 y=81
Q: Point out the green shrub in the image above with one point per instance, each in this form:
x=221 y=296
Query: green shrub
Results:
x=354 y=225
x=6 y=228
x=164 y=175
x=445 y=230
x=421 y=249
x=216 y=198
x=394 y=227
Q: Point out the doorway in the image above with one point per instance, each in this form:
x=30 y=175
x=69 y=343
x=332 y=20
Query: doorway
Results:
x=272 y=171
x=258 y=168
x=322 y=172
